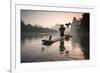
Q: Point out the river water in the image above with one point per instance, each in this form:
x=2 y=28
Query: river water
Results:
x=32 y=49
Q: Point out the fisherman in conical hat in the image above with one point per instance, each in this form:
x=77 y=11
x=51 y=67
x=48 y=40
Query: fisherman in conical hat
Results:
x=62 y=29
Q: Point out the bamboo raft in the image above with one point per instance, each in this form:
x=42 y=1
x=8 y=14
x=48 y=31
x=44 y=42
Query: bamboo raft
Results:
x=49 y=42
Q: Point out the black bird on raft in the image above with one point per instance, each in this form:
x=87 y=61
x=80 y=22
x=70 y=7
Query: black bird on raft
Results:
x=48 y=42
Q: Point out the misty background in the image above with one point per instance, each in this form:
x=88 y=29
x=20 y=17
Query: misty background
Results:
x=33 y=23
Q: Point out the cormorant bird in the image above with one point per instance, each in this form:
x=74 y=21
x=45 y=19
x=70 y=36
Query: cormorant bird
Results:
x=67 y=24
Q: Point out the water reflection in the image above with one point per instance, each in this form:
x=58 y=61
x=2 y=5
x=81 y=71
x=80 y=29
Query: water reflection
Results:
x=34 y=50
x=61 y=47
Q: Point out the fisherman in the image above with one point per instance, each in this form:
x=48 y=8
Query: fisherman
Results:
x=62 y=29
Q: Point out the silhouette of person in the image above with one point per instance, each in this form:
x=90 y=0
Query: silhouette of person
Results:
x=62 y=29
x=61 y=47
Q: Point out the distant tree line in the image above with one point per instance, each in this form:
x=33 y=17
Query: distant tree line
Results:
x=36 y=28
x=84 y=34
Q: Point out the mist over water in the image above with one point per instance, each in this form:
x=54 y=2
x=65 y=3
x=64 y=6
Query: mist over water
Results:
x=32 y=49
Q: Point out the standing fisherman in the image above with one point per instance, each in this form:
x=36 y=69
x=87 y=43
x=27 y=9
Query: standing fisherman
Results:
x=62 y=29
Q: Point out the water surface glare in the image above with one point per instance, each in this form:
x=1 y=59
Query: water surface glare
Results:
x=32 y=49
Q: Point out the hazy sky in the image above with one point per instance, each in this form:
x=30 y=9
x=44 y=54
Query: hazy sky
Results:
x=47 y=18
